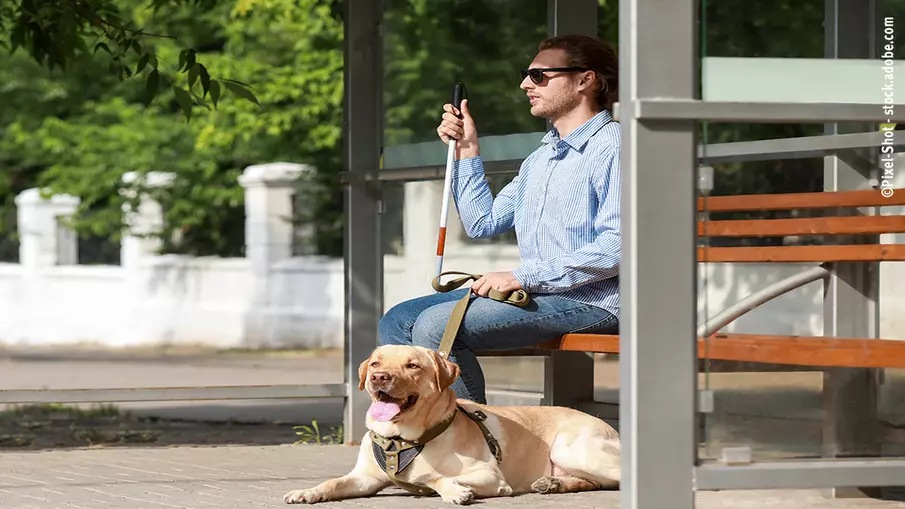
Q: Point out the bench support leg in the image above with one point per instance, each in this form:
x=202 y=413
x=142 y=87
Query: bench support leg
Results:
x=568 y=379
x=851 y=428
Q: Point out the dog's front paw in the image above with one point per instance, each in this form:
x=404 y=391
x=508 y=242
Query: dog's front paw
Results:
x=455 y=493
x=302 y=497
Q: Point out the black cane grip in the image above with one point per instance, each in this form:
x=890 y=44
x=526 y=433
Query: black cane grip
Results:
x=458 y=95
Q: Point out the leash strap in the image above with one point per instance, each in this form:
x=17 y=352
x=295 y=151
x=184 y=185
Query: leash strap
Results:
x=518 y=298
x=477 y=417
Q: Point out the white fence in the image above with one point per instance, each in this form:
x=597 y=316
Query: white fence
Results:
x=270 y=298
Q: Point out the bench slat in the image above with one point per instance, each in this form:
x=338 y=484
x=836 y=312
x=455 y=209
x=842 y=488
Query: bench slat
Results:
x=789 y=201
x=769 y=349
x=835 y=253
x=847 y=225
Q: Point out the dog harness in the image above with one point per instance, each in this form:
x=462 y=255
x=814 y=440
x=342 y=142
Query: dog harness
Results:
x=395 y=454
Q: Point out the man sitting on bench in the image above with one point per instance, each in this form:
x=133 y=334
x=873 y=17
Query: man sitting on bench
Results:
x=564 y=205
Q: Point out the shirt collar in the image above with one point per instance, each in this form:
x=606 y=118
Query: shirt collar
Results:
x=579 y=137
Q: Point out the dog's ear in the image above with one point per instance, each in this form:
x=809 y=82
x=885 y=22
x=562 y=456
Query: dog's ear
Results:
x=363 y=372
x=447 y=371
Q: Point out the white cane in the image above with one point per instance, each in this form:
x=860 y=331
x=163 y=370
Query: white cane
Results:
x=458 y=95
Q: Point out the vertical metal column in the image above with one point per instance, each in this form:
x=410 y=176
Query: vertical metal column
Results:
x=658 y=59
x=569 y=376
x=572 y=17
x=851 y=293
x=363 y=259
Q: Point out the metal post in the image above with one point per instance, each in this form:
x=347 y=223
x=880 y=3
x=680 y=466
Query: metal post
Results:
x=851 y=292
x=362 y=253
x=658 y=363
x=569 y=376
x=572 y=17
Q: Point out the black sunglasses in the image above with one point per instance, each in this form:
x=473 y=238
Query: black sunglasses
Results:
x=537 y=74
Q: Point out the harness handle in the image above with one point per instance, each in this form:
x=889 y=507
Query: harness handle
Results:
x=518 y=298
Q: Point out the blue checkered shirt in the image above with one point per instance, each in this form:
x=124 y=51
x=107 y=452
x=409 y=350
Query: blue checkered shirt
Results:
x=564 y=206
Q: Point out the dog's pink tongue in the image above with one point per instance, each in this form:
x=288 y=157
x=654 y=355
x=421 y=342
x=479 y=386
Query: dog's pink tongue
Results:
x=383 y=412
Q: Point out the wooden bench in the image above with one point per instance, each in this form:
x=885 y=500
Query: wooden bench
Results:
x=797 y=350
x=569 y=370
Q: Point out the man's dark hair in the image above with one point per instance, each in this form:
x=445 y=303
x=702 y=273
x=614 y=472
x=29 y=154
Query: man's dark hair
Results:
x=592 y=53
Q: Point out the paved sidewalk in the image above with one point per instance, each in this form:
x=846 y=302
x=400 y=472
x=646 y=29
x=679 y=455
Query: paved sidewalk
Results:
x=257 y=477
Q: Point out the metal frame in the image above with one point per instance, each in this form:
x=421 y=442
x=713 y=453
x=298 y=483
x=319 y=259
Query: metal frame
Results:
x=791 y=148
x=658 y=361
x=851 y=294
x=362 y=255
x=760 y=112
x=802 y=474
x=715 y=153
x=222 y=392
x=761 y=297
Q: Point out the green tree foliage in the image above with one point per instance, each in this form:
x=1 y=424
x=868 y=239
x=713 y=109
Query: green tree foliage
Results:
x=56 y=33
x=79 y=130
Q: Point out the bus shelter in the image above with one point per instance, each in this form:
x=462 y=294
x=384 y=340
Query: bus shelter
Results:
x=674 y=90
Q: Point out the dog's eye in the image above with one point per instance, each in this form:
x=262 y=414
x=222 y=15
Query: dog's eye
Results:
x=412 y=365
x=375 y=364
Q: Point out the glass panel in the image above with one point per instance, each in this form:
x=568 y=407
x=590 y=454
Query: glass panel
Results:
x=776 y=52
x=788 y=408
x=410 y=227
x=429 y=46
x=784 y=409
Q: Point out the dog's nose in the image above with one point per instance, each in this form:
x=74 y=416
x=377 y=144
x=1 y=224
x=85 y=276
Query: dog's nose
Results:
x=380 y=377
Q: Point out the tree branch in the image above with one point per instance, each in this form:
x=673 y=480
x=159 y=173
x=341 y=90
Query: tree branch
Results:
x=89 y=14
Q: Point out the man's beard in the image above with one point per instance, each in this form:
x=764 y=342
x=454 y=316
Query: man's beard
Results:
x=556 y=106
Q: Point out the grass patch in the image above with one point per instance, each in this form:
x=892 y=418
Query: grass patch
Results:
x=313 y=434
x=55 y=426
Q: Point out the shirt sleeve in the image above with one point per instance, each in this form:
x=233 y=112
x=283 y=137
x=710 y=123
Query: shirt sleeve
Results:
x=482 y=214
x=597 y=260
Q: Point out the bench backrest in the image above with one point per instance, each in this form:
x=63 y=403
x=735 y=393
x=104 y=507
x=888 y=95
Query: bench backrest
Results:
x=848 y=223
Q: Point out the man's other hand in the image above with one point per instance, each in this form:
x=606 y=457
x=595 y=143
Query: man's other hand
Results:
x=499 y=281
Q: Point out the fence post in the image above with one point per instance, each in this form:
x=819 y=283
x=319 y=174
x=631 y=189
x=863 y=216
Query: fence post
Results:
x=43 y=241
x=146 y=221
x=269 y=190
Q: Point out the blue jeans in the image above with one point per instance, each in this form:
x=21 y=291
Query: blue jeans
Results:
x=488 y=325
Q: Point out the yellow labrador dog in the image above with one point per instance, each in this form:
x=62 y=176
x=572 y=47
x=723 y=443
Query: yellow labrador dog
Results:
x=542 y=449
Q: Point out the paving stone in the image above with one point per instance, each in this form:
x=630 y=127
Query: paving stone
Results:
x=258 y=476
